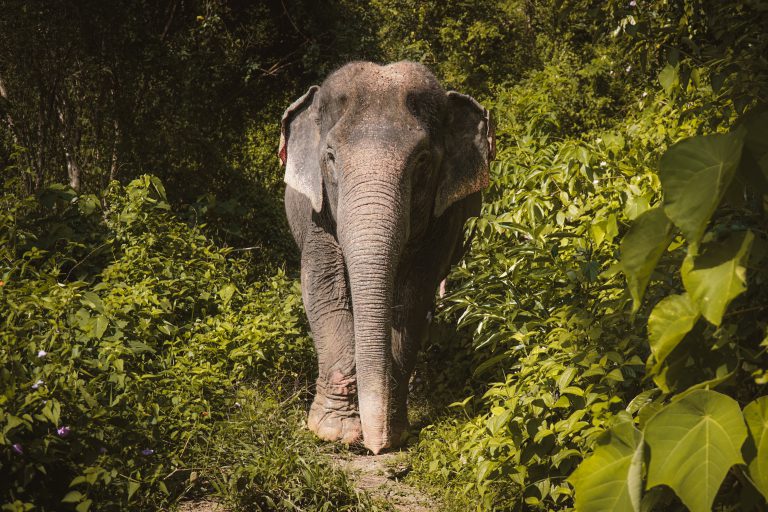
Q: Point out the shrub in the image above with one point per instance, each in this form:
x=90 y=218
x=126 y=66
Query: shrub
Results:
x=138 y=365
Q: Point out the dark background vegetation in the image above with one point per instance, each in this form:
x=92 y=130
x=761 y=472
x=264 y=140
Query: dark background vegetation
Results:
x=152 y=342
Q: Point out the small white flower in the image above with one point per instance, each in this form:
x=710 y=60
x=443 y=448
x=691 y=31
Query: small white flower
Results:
x=42 y=353
x=594 y=182
x=37 y=384
x=629 y=68
x=603 y=163
x=645 y=93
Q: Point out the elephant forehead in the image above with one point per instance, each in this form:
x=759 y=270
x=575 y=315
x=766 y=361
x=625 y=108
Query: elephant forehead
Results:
x=403 y=92
x=371 y=77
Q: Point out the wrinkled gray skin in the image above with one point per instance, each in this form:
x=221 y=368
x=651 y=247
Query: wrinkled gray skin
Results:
x=382 y=169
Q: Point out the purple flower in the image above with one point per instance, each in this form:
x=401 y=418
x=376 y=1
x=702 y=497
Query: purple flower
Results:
x=18 y=449
x=37 y=384
x=42 y=353
x=147 y=451
x=102 y=450
x=63 y=431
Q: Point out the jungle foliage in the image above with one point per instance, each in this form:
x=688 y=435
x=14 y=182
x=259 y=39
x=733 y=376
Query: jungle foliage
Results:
x=612 y=314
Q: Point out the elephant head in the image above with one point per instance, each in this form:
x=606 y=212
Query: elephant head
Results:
x=386 y=151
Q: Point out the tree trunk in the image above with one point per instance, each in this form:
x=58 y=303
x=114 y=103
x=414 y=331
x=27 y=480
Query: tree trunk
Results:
x=69 y=141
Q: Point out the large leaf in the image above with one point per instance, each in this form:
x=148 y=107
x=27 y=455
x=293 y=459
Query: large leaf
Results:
x=611 y=478
x=756 y=415
x=718 y=275
x=693 y=443
x=668 y=78
x=641 y=249
x=695 y=174
x=669 y=322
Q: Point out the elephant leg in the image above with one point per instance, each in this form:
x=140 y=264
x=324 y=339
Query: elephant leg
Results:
x=333 y=415
x=408 y=329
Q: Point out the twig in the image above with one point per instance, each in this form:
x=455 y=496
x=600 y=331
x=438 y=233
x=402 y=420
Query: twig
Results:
x=86 y=257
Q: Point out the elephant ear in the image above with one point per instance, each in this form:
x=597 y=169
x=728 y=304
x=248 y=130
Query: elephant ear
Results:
x=299 y=148
x=470 y=146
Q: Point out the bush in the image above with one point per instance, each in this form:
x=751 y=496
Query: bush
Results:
x=542 y=295
x=139 y=365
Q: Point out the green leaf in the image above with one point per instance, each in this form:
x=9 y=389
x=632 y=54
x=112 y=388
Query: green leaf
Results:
x=133 y=486
x=83 y=506
x=102 y=323
x=93 y=301
x=718 y=275
x=611 y=478
x=693 y=443
x=641 y=249
x=756 y=416
x=72 y=497
x=668 y=78
x=226 y=293
x=669 y=322
x=695 y=174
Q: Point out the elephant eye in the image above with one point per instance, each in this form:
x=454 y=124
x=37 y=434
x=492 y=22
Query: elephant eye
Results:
x=330 y=162
x=421 y=167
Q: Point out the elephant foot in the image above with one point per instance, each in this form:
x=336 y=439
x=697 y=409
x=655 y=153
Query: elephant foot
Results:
x=333 y=415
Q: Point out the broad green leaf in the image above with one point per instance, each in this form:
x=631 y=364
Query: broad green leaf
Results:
x=72 y=497
x=693 y=443
x=669 y=322
x=668 y=78
x=641 y=249
x=756 y=416
x=611 y=478
x=101 y=325
x=83 y=506
x=695 y=174
x=226 y=293
x=718 y=275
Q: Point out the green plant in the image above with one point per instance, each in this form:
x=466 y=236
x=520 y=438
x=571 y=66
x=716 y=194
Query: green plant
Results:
x=139 y=365
x=715 y=190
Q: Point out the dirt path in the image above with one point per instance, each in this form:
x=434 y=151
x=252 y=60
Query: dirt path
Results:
x=381 y=476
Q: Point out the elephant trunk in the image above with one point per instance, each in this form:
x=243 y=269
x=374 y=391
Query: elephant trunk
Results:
x=372 y=229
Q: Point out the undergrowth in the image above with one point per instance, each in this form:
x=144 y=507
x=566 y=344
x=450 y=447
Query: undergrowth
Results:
x=139 y=365
x=542 y=295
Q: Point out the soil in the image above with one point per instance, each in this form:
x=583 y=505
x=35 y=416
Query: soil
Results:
x=381 y=476
x=201 y=506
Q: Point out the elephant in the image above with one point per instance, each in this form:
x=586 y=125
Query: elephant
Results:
x=382 y=169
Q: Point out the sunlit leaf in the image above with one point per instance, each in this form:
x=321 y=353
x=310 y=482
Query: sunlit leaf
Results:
x=641 y=249
x=695 y=174
x=693 y=444
x=718 y=275
x=668 y=78
x=756 y=416
x=669 y=322
x=611 y=478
